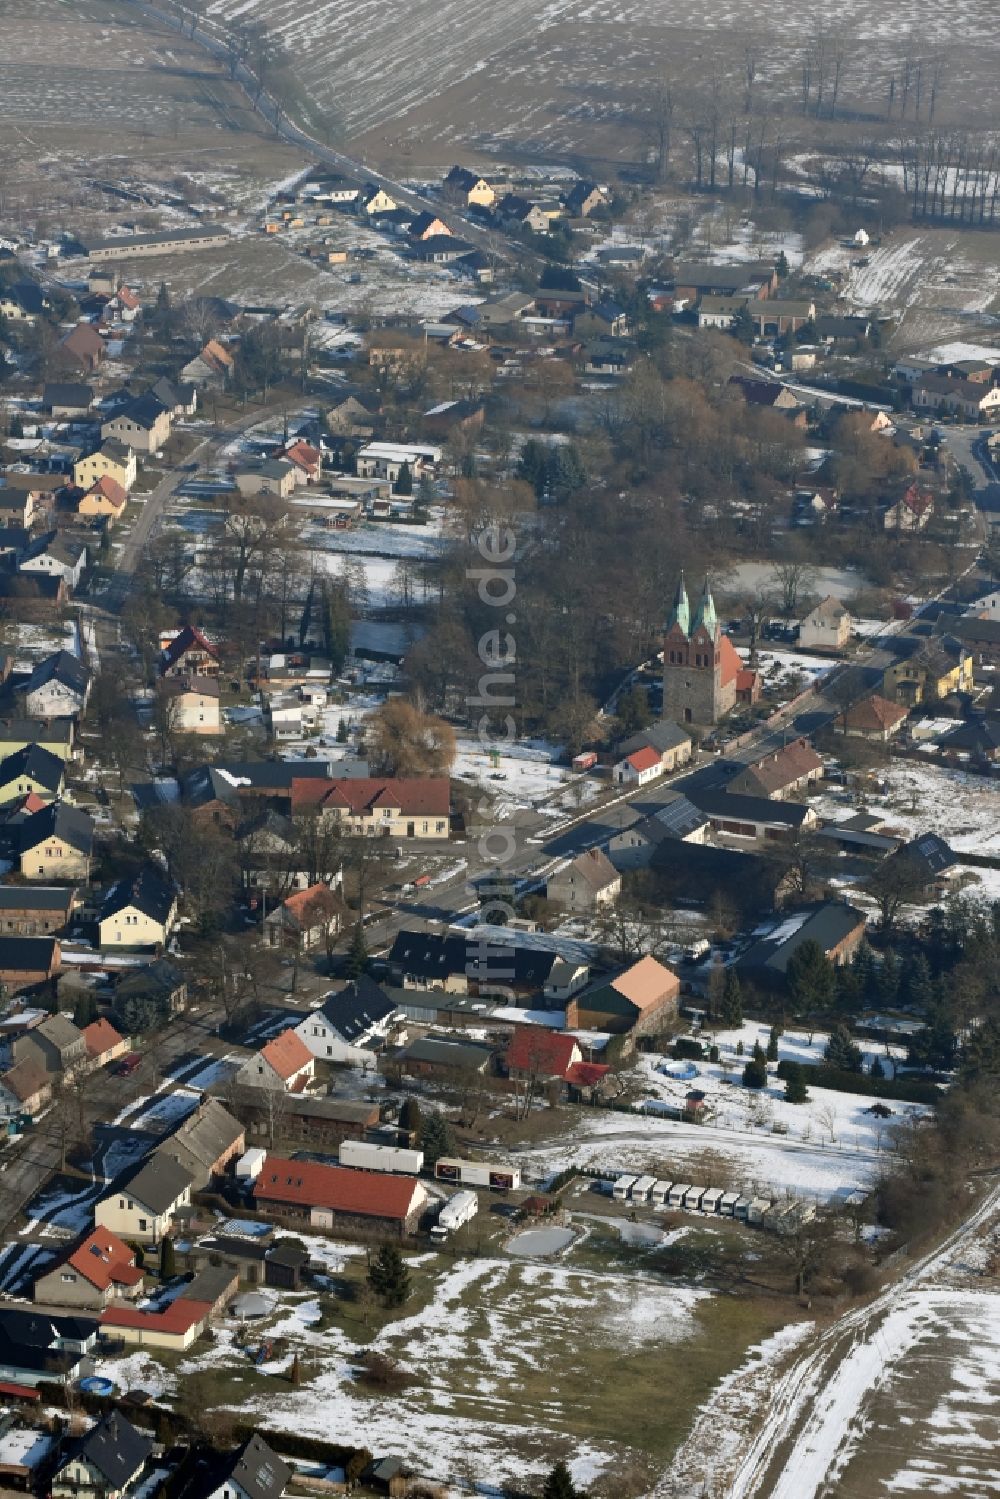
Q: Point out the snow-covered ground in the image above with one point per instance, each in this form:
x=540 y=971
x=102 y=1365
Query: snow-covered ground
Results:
x=781 y=667
x=961 y=808
x=524 y=775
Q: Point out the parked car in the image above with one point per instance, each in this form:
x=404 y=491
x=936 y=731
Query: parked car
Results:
x=128 y=1064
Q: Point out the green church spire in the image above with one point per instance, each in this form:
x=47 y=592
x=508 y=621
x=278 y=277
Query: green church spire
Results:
x=680 y=614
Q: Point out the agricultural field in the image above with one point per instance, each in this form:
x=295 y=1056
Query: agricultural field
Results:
x=501 y=1361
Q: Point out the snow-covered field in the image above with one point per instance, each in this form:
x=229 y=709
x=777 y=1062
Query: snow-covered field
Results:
x=524 y=775
x=964 y=809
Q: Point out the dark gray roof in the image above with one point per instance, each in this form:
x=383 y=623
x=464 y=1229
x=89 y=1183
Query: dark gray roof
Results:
x=443 y=1052
x=203 y=1136
x=35 y=761
x=429 y=955
x=358 y=1007
x=828 y=924
x=144 y=410
x=158 y=1183
x=35 y=897
x=114 y=1448
x=147 y=891
x=67 y=393
x=58 y=821
x=26 y=954
x=979 y=736
x=126 y=242
x=61 y=666
x=259 y=1471
x=928 y=854
x=161 y=977
x=662 y=735
x=736 y=808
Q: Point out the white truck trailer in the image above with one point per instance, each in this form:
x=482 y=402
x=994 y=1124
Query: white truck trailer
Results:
x=478 y=1174
x=381 y=1158
x=456 y=1211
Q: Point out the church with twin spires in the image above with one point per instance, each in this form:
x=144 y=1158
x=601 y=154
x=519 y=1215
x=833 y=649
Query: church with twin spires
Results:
x=700 y=664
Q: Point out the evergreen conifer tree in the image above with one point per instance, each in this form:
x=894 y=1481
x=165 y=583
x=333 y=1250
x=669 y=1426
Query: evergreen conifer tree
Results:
x=772 y=1045
x=435 y=1138
x=389 y=1277
x=357 y=956
x=168 y=1261
x=559 y=1484
x=732 y=999
x=795 y=1083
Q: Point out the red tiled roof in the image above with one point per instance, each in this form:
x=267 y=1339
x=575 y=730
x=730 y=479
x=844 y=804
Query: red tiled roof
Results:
x=645 y=759
x=313 y=906
x=177 y=1317
x=190 y=638
x=730 y=664
x=101 y=1037
x=745 y=679
x=875 y=713
x=430 y=797
x=110 y=489
x=302 y=454
x=918 y=500
x=287 y=1054
x=546 y=1053
x=339 y=1188
x=586 y=1074
x=105 y=1260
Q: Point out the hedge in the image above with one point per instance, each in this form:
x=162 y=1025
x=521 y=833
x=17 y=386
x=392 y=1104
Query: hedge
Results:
x=904 y=1090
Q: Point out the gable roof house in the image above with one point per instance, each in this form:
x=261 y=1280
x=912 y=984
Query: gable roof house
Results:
x=211 y=368
x=838 y=928
x=144 y=424
x=305 y=460
x=150 y=994
x=55 y=555
x=31 y=769
x=193 y=703
x=99 y=1270
x=394 y=807
x=350 y=1025
x=584 y=198
x=105 y=497
x=668 y=739
x=827 y=627
x=253 y=1471
x=84 y=347
x=23 y=302
x=138 y=912
x=696 y=279
x=676 y=820
x=55 y=843
x=285 y=1065
x=112 y=458
x=473 y=964
x=338 y=1196
x=27 y=962
x=25 y=1089
x=305 y=919
x=33 y=911
x=144 y=1204
x=56 y=1044
x=587 y=883
x=540 y=1054
x=911 y=512
x=874 y=718
x=792 y=768
x=635 y=769
x=190 y=654
x=103 y=1043
x=105 y=1462
x=67 y=398
x=516 y=212
x=927 y=670
x=471 y=187
x=205 y=1142
x=735 y=815
x=641 y=1000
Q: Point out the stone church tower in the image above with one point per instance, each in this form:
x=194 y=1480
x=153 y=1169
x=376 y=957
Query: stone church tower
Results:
x=699 y=662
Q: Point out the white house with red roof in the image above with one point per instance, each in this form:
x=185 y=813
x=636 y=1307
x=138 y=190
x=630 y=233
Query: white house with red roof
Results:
x=284 y=1065
x=305 y=919
x=911 y=512
x=640 y=766
x=305 y=460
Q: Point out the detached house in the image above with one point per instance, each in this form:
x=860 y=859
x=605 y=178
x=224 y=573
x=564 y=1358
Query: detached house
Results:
x=792 y=768
x=143 y=425
x=307 y=919
x=32 y=769
x=589 y=882
x=931 y=671
x=144 y=1204
x=100 y=1270
x=105 y=1463
x=105 y=497
x=112 y=458
x=194 y=703
x=641 y=1000
x=393 y=808
x=253 y=1471
x=827 y=627
x=349 y=1025
x=25 y=1090
x=285 y=1065
x=56 y=1045
x=27 y=962
x=58 y=687
x=55 y=843
x=305 y=460
x=138 y=913
x=211 y=368
x=911 y=512
x=874 y=718
x=55 y=555
x=672 y=745
x=84 y=347
x=517 y=213
x=190 y=654
x=476 y=191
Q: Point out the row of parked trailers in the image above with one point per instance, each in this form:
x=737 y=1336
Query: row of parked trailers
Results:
x=647 y=1191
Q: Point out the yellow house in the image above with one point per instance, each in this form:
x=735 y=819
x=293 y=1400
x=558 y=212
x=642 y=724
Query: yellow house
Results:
x=105 y=497
x=32 y=770
x=380 y=202
x=18 y=733
x=936 y=669
x=56 y=843
x=112 y=458
x=142 y=1207
x=143 y=425
x=137 y=912
x=194 y=703
x=481 y=194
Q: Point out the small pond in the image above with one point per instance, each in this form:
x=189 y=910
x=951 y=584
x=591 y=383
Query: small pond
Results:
x=539 y=1241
